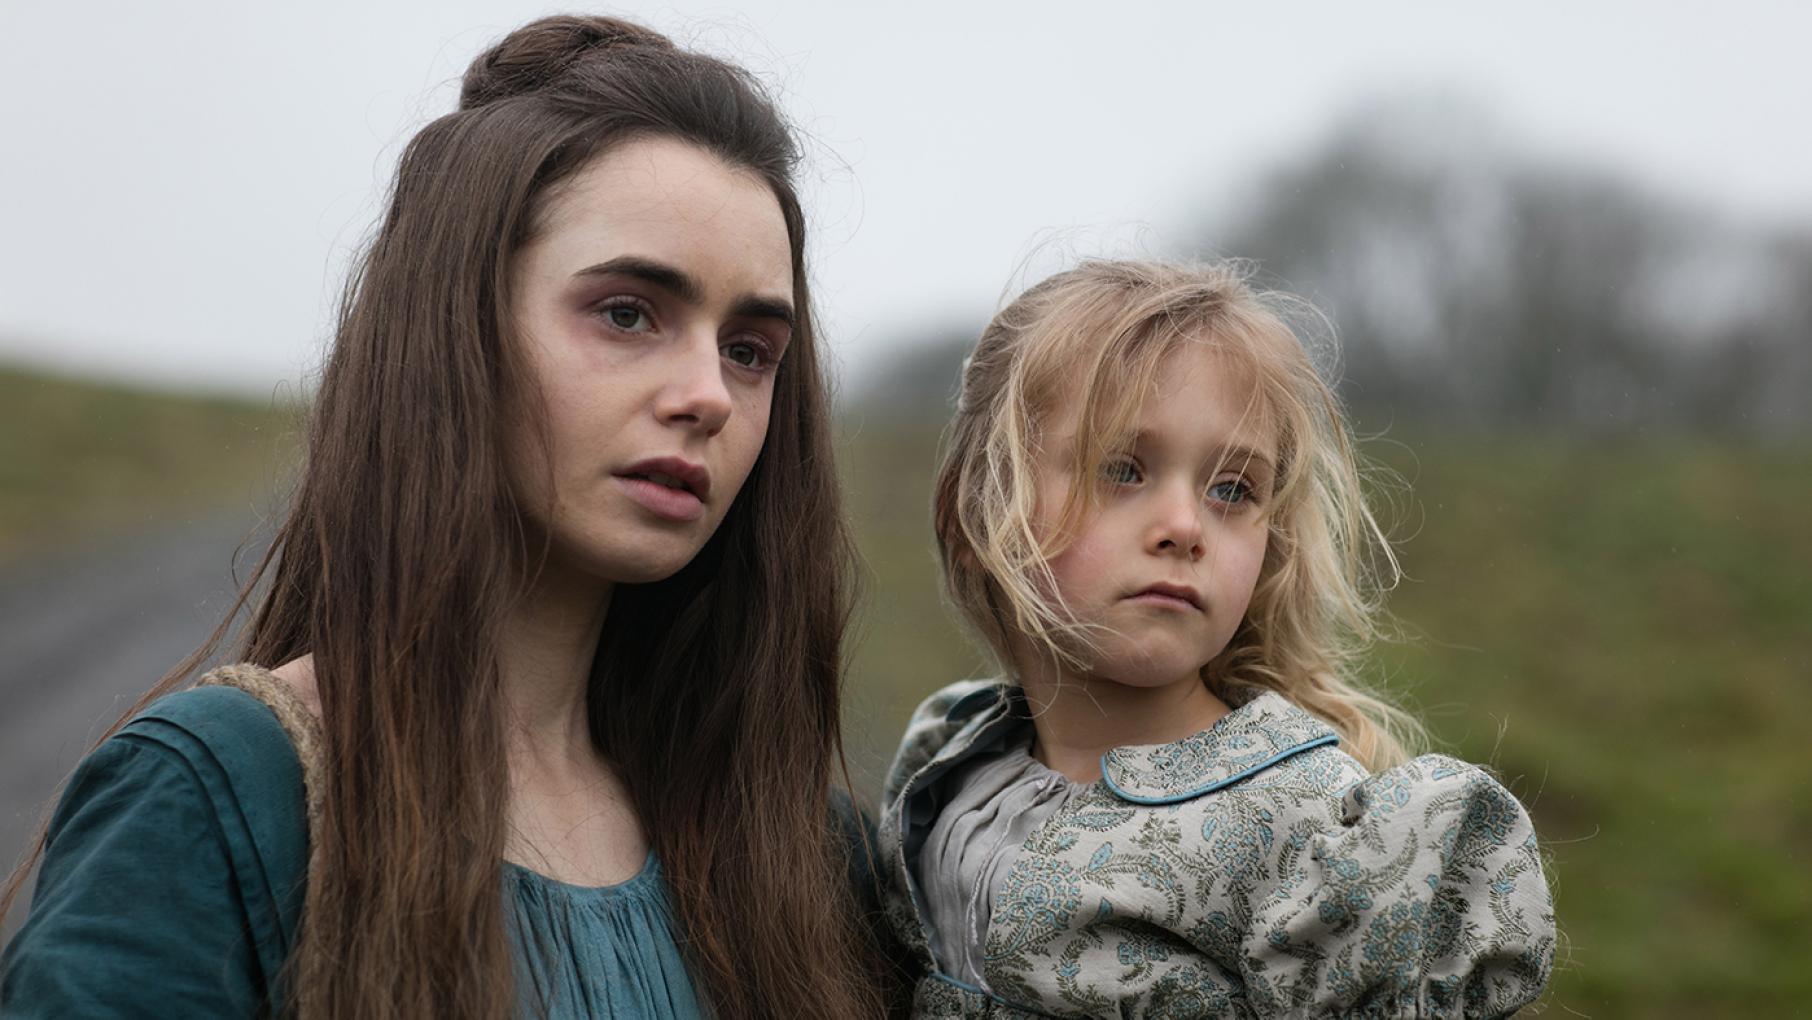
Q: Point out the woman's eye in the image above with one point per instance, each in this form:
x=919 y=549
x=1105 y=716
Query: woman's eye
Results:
x=747 y=353
x=628 y=318
x=1231 y=491
x=1122 y=472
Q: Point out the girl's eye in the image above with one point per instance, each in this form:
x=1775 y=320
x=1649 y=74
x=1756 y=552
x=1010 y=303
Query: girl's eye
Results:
x=1122 y=472
x=1231 y=491
x=748 y=353
x=628 y=318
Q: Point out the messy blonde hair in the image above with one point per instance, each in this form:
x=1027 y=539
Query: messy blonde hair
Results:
x=1101 y=333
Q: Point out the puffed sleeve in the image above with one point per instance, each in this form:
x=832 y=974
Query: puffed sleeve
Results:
x=932 y=725
x=136 y=912
x=1429 y=899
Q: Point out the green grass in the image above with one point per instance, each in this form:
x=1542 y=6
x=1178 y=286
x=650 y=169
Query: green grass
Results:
x=1623 y=630
x=77 y=458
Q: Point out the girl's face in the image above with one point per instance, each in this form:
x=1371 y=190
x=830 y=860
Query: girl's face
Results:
x=1167 y=563
x=655 y=304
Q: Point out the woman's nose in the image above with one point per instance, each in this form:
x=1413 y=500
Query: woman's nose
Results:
x=695 y=393
x=1176 y=528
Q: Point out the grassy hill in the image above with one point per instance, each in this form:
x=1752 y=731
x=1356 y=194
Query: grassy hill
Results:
x=79 y=457
x=1621 y=629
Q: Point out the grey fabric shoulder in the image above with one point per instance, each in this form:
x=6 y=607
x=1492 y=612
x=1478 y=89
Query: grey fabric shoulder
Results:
x=937 y=719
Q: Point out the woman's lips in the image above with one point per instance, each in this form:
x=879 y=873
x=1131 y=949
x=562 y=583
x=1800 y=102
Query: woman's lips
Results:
x=677 y=505
x=670 y=487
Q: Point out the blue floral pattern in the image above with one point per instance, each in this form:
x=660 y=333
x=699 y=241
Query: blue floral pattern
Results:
x=1249 y=870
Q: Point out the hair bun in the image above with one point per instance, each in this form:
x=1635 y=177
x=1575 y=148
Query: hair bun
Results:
x=541 y=51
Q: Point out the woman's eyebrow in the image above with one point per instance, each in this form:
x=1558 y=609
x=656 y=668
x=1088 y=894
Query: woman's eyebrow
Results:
x=765 y=308
x=681 y=285
x=660 y=274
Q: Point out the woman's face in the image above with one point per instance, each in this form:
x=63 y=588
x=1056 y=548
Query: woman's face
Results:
x=655 y=303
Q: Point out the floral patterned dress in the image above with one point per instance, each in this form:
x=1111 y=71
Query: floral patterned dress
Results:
x=1250 y=870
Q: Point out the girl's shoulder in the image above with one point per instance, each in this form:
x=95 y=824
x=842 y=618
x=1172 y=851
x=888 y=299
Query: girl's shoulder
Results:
x=1266 y=741
x=1284 y=767
x=1416 y=890
x=1441 y=801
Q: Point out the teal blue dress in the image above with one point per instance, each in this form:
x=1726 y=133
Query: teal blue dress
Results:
x=172 y=885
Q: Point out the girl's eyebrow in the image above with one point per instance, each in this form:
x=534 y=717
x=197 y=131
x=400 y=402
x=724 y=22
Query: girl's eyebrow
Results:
x=1225 y=454
x=1244 y=456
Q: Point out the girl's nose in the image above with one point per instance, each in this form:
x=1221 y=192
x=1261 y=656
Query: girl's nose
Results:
x=694 y=394
x=1176 y=528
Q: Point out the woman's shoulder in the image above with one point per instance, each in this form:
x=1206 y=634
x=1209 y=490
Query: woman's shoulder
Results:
x=173 y=865
x=238 y=724
x=209 y=712
x=218 y=749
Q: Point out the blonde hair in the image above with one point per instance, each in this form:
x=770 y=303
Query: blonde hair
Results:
x=1103 y=331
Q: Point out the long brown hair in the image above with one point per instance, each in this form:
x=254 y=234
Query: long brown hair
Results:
x=714 y=692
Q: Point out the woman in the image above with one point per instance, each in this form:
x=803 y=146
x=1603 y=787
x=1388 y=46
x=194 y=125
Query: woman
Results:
x=555 y=614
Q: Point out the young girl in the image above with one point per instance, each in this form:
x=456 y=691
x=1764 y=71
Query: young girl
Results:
x=539 y=707
x=1176 y=804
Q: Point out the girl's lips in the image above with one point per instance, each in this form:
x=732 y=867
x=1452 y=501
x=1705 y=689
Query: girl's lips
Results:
x=677 y=505
x=1161 y=600
x=1170 y=595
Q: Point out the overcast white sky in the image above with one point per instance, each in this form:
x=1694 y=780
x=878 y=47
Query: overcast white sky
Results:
x=182 y=183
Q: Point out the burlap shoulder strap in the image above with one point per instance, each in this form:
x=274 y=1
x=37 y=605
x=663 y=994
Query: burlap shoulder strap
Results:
x=300 y=724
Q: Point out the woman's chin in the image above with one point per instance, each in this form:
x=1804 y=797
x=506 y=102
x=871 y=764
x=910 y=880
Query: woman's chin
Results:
x=625 y=563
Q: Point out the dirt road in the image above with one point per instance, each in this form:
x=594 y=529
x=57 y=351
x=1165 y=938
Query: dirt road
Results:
x=83 y=633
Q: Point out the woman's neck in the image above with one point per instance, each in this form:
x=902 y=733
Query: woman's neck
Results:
x=570 y=816
x=1079 y=717
x=544 y=664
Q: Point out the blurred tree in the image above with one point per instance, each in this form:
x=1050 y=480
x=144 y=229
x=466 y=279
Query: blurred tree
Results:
x=1478 y=286
x=919 y=380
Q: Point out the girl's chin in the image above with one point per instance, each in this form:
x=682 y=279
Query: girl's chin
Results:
x=1152 y=676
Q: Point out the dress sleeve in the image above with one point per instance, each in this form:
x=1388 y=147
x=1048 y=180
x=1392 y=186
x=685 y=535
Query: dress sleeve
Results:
x=1429 y=899
x=136 y=911
x=928 y=730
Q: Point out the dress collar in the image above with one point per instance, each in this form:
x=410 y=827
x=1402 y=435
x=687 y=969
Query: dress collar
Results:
x=1256 y=735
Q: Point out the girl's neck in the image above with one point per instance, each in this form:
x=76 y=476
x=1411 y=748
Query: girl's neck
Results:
x=1079 y=718
x=544 y=663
